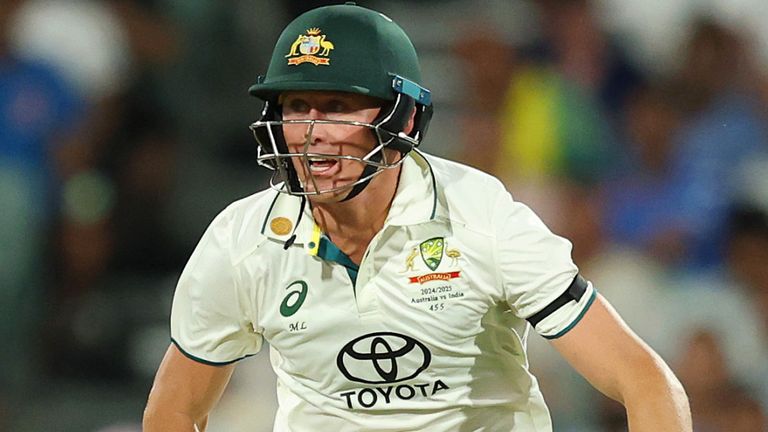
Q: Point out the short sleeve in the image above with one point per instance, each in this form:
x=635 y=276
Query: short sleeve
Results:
x=539 y=279
x=210 y=318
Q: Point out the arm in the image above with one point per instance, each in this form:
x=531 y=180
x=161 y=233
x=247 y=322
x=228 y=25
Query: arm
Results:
x=615 y=361
x=183 y=394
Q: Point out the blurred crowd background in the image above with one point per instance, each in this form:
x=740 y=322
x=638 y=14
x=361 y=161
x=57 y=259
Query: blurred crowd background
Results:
x=636 y=128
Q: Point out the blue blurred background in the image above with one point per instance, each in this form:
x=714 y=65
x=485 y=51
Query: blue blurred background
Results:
x=638 y=129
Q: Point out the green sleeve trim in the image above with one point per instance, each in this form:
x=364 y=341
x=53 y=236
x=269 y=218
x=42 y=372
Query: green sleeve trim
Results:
x=204 y=361
x=578 y=318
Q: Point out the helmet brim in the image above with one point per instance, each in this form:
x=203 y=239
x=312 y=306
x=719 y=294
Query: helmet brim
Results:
x=269 y=91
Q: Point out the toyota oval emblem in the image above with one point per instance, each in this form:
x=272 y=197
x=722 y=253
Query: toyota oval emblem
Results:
x=383 y=358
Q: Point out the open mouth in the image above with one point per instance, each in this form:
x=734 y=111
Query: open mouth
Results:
x=322 y=165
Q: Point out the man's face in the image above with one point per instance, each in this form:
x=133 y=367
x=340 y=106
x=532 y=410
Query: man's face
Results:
x=318 y=174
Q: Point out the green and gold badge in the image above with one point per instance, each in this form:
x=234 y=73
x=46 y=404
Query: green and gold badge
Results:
x=432 y=252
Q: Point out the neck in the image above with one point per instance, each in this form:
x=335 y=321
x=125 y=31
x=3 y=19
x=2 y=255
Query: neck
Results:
x=352 y=224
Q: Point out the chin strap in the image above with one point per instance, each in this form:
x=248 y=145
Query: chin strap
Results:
x=367 y=171
x=389 y=124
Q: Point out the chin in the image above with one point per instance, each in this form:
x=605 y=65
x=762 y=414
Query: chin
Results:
x=329 y=183
x=328 y=197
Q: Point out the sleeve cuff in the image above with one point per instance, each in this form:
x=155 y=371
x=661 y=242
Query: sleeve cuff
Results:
x=565 y=312
x=204 y=361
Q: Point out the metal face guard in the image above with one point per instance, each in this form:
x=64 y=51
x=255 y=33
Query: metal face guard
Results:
x=280 y=161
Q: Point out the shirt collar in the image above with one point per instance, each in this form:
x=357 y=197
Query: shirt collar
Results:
x=415 y=199
x=415 y=202
x=287 y=217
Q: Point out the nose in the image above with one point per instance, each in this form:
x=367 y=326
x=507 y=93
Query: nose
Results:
x=317 y=133
x=315 y=114
x=298 y=134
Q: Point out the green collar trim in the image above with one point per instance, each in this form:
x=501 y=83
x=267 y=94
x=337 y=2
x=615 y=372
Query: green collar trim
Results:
x=328 y=251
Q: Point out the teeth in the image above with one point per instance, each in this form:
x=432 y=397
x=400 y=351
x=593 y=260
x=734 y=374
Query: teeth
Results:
x=321 y=164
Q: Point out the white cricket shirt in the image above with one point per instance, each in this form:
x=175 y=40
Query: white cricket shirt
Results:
x=428 y=334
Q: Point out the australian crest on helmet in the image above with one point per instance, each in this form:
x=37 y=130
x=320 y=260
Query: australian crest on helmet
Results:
x=312 y=47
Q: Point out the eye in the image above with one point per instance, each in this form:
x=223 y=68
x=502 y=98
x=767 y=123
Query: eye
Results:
x=295 y=106
x=337 y=106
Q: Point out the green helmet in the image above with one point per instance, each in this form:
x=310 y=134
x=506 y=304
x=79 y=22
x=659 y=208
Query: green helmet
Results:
x=351 y=49
x=344 y=48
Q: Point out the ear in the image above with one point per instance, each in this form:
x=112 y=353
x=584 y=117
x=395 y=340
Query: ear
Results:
x=411 y=120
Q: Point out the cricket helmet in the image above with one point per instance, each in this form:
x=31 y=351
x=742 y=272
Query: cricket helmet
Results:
x=345 y=48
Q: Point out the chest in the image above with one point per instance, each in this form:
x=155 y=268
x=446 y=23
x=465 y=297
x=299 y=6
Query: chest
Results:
x=425 y=282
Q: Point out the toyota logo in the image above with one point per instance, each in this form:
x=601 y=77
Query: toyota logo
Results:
x=383 y=357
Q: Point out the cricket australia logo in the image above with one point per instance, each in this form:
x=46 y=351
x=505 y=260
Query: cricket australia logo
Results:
x=310 y=48
x=432 y=252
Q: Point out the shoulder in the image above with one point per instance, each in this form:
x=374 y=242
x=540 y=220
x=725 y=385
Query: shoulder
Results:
x=458 y=178
x=467 y=194
x=239 y=227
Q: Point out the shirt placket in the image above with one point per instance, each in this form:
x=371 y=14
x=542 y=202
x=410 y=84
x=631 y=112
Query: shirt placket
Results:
x=367 y=291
